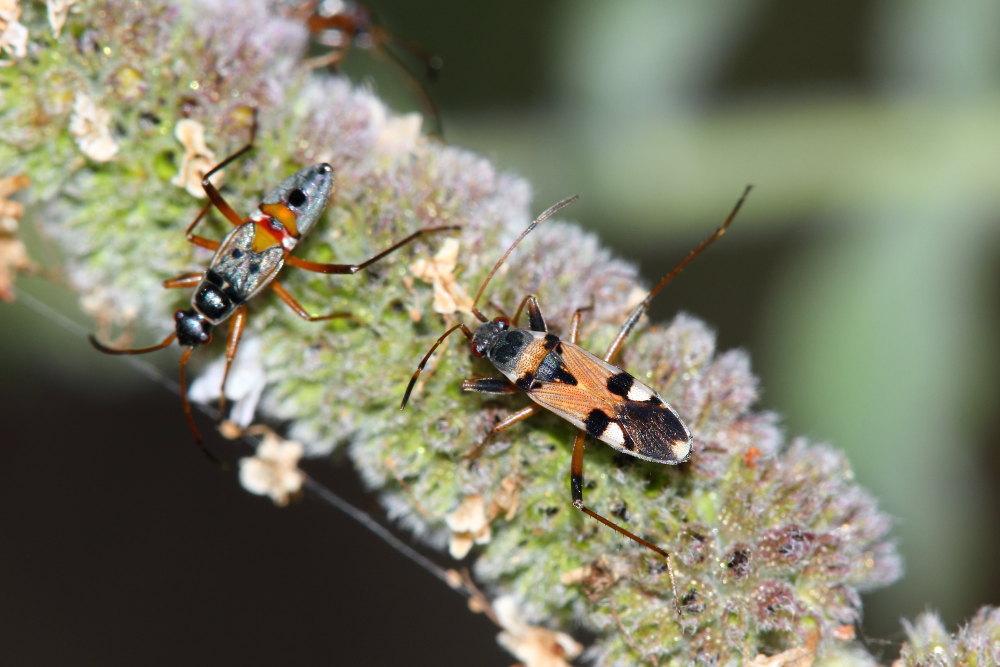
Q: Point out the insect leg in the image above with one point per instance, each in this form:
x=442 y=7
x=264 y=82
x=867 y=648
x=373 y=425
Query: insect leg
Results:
x=200 y=241
x=213 y=194
x=297 y=308
x=510 y=420
x=535 y=320
x=574 y=327
x=432 y=62
x=412 y=81
x=644 y=304
x=183 y=280
x=490 y=385
x=520 y=307
x=318 y=267
x=576 y=489
x=330 y=59
x=232 y=342
x=503 y=424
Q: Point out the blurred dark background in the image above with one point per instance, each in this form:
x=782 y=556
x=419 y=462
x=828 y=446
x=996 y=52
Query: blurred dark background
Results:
x=862 y=277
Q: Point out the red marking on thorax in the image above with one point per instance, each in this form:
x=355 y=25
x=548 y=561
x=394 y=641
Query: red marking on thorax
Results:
x=277 y=224
x=265 y=229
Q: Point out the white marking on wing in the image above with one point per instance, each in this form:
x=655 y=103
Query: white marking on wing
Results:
x=613 y=434
x=639 y=392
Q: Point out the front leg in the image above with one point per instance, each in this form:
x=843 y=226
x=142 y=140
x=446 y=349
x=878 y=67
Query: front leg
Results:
x=213 y=193
x=201 y=241
x=574 y=329
x=490 y=385
x=502 y=425
x=535 y=320
x=318 y=267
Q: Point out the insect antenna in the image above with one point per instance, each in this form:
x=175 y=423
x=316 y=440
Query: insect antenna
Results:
x=423 y=362
x=475 y=311
x=644 y=304
x=541 y=218
x=183 y=384
x=101 y=347
x=715 y=236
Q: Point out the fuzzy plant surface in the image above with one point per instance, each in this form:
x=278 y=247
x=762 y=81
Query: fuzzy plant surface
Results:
x=114 y=114
x=976 y=644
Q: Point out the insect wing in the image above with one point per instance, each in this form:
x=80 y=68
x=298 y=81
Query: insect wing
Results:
x=242 y=269
x=611 y=405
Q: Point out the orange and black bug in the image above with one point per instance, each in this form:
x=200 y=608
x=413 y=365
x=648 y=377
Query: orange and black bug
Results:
x=247 y=260
x=339 y=25
x=588 y=391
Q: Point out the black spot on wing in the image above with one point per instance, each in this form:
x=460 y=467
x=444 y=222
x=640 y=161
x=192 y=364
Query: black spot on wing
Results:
x=563 y=375
x=524 y=383
x=656 y=431
x=620 y=383
x=629 y=443
x=597 y=421
x=553 y=369
x=550 y=341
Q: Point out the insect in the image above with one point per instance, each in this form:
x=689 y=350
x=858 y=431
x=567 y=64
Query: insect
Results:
x=340 y=24
x=248 y=260
x=590 y=392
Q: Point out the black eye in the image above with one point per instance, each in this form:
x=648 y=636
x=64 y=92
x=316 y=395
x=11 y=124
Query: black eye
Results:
x=296 y=198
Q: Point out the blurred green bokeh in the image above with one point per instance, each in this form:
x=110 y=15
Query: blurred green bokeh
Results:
x=862 y=274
